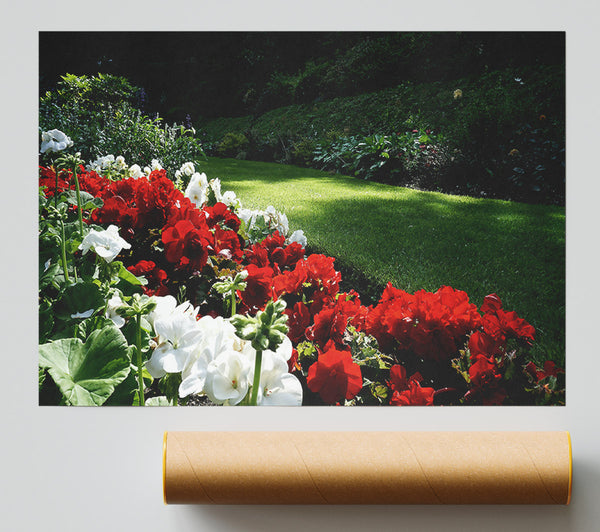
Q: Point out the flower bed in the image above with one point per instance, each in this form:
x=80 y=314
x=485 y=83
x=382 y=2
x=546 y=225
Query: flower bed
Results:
x=154 y=294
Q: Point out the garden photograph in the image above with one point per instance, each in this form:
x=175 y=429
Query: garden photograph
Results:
x=301 y=218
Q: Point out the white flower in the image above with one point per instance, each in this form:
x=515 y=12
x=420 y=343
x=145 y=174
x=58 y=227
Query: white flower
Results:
x=155 y=165
x=276 y=220
x=55 y=140
x=278 y=387
x=227 y=378
x=299 y=237
x=229 y=198
x=107 y=244
x=120 y=163
x=187 y=169
x=135 y=171
x=248 y=216
x=85 y=314
x=111 y=310
x=102 y=163
x=218 y=337
x=215 y=184
x=178 y=338
x=197 y=189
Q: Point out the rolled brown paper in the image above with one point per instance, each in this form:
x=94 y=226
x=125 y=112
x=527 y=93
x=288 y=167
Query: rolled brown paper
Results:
x=367 y=468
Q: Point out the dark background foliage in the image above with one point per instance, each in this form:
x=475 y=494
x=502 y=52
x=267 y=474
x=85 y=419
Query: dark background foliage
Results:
x=225 y=74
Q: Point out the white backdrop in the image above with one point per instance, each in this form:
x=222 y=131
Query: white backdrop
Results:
x=69 y=469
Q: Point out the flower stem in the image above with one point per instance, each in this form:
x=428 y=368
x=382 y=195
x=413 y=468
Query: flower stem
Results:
x=233 y=309
x=256 y=383
x=63 y=253
x=78 y=201
x=138 y=341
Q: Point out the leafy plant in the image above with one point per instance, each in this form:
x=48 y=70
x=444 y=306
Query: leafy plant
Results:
x=100 y=116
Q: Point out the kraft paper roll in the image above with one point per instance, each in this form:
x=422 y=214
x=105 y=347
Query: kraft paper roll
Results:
x=367 y=468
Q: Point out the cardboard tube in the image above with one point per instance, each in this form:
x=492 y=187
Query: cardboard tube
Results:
x=367 y=467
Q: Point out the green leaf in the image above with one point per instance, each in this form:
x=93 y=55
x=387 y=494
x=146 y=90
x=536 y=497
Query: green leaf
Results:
x=79 y=298
x=125 y=392
x=48 y=275
x=126 y=275
x=169 y=385
x=88 y=202
x=87 y=374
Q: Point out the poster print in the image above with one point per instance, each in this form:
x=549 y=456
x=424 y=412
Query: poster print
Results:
x=302 y=218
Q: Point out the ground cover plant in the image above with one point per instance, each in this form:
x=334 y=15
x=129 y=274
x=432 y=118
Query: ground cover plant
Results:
x=499 y=135
x=161 y=289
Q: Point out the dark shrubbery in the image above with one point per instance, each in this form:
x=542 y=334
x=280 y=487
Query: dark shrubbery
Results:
x=100 y=115
x=449 y=136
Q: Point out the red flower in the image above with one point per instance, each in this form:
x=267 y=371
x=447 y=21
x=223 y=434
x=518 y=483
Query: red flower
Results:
x=227 y=244
x=298 y=320
x=154 y=275
x=432 y=325
x=482 y=344
x=335 y=376
x=413 y=396
x=330 y=323
x=491 y=303
x=185 y=245
x=486 y=383
x=550 y=370
x=503 y=325
x=258 y=288
x=220 y=214
x=408 y=391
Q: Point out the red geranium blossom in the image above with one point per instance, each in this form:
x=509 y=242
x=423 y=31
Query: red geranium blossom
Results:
x=432 y=325
x=485 y=379
x=414 y=395
x=219 y=214
x=407 y=392
x=258 y=288
x=186 y=246
x=335 y=376
x=550 y=370
x=299 y=319
x=331 y=322
x=154 y=275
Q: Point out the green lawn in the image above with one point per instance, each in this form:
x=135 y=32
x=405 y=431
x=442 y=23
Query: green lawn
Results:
x=422 y=239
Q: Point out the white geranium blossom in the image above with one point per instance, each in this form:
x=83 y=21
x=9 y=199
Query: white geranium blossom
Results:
x=215 y=184
x=248 y=216
x=107 y=244
x=227 y=378
x=187 y=169
x=155 y=165
x=54 y=140
x=167 y=305
x=276 y=220
x=299 y=237
x=111 y=310
x=178 y=335
x=229 y=198
x=278 y=387
x=120 y=163
x=135 y=171
x=178 y=338
x=218 y=337
x=197 y=189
